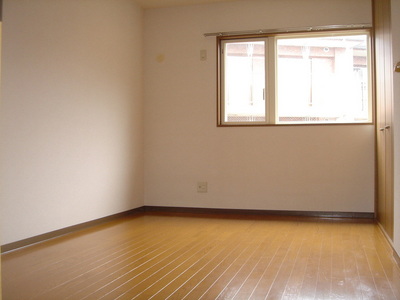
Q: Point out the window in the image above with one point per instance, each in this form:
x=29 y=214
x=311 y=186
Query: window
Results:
x=309 y=78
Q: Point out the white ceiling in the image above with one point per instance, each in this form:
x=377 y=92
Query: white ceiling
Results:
x=165 y=3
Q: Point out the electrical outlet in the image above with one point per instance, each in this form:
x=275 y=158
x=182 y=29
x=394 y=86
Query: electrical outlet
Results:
x=202 y=187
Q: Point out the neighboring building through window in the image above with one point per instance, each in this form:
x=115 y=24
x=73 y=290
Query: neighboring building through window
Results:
x=296 y=79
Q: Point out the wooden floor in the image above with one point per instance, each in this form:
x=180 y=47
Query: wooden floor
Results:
x=187 y=257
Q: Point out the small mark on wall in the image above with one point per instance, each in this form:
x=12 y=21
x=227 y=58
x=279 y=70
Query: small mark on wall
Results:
x=160 y=58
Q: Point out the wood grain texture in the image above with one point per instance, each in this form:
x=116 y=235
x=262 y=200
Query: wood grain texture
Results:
x=176 y=256
x=384 y=114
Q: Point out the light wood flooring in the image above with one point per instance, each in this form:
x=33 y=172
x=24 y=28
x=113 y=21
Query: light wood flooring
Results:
x=157 y=256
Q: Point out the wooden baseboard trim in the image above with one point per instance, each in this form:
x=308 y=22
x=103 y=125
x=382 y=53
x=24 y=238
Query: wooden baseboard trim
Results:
x=358 y=216
x=253 y=212
x=396 y=257
x=57 y=233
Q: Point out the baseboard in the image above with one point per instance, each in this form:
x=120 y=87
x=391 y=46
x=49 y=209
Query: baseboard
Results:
x=254 y=212
x=396 y=257
x=57 y=233
x=390 y=243
x=369 y=217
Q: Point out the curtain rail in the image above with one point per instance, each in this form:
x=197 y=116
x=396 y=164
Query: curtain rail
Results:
x=294 y=29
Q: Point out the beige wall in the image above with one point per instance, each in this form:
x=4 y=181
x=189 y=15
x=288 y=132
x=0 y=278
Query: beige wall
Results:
x=72 y=118
x=315 y=168
x=71 y=139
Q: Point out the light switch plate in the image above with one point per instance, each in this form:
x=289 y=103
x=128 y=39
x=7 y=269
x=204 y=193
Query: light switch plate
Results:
x=203 y=55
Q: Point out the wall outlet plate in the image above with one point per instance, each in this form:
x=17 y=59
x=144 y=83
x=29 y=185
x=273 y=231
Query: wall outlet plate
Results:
x=202 y=187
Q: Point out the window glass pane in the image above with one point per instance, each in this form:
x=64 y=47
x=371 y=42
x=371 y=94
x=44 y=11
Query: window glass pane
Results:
x=323 y=80
x=244 y=77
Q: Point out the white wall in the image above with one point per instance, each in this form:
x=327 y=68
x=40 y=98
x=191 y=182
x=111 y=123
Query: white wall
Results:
x=315 y=168
x=71 y=139
x=71 y=120
x=396 y=120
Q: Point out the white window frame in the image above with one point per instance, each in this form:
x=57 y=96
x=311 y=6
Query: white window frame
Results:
x=271 y=97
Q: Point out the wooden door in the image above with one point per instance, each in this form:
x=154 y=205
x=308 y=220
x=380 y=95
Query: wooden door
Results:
x=384 y=108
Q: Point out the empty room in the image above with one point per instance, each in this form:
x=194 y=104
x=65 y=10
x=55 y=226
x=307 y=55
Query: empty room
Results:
x=200 y=149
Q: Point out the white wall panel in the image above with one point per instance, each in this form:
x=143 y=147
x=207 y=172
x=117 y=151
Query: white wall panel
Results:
x=71 y=139
x=312 y=168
